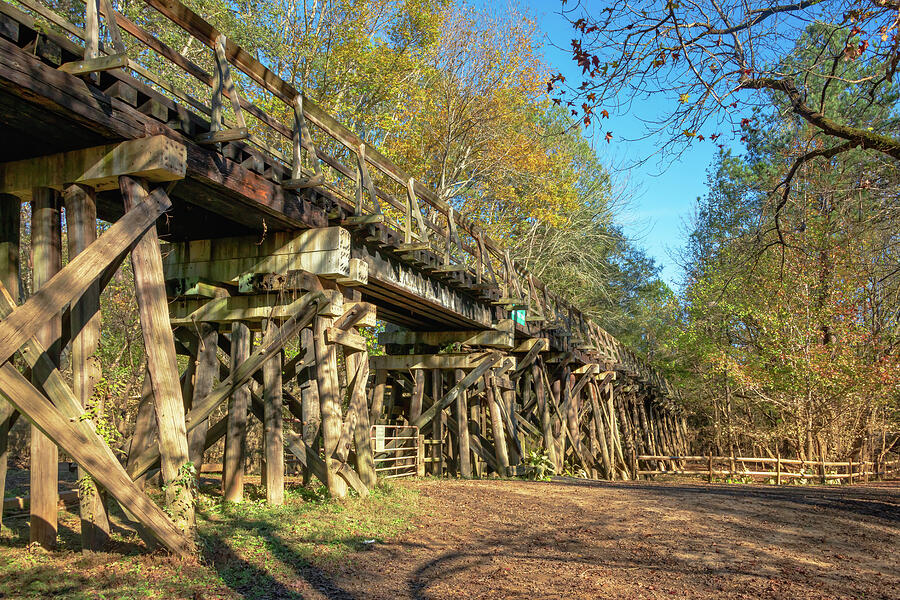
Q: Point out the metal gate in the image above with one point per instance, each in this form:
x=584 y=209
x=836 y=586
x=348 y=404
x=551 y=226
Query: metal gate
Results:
x=396 y=449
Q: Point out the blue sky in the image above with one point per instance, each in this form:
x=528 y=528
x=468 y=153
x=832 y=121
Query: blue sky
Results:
x=662 y=196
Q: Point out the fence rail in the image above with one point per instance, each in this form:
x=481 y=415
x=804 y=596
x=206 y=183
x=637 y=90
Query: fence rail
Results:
x=854 y=471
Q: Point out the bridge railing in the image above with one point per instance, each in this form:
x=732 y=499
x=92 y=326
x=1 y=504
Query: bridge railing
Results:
x=246 y=101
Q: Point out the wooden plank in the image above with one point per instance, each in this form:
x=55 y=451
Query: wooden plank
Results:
x=273 y=438
x=358 y=362
x=415 y=404
x=346 y=338
x=156 y=158
x=95 y=65
x=46 y=248
x=236 y=436
x=159 y=345
x=81 y=226
x=497 y=428
x=251 y=309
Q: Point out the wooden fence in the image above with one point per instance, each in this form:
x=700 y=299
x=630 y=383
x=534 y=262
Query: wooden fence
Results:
x=785 y=469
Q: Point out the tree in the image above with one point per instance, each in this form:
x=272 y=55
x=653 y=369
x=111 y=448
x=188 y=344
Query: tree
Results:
x=717 y=62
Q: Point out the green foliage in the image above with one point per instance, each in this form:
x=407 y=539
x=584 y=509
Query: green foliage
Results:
x=538 y=466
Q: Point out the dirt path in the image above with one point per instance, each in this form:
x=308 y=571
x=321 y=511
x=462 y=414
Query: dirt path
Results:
x=510 y=539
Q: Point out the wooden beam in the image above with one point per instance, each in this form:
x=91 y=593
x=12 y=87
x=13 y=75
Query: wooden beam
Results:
x=65 y=410
x=236 y=437
x=95 y=65
x=156 y=158
x=79 y=441
x=329 y=404
x=204 y=379
x=468 y=360
x=251 y=309
x=159 y=346
x=46 y=247
x=273 y=438
x=81 y=226
x=489 y=338
x=346 y=338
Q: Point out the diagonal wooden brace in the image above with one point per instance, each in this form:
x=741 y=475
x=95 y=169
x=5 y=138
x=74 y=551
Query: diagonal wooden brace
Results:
x=64 y=421
x=70 y=283
x=204 y=408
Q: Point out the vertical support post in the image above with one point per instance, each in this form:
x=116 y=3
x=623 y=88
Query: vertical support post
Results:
x=204 y=378
x=358 y=364
x=509 y=404
x=438 y=424
x=81 y=226
x=236 y=426
x=378 y=395
x=462 y=420
x=159 y=344
x=415 y=402
x=778 y=466
x=46 y=242
x=329 y=404
x=144 y=436
x=10 y=224
x=709 y=477
x=543 y=410
x=309 y=398
x=420 y=453
x=500 y=450
x=273 y=436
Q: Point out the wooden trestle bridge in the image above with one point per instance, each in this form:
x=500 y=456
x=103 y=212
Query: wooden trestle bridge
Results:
x=247 y=223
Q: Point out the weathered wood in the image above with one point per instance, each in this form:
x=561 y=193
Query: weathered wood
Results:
x=236 y=436
x=438 y=424
x=365 y=461
x=79 y=440
x=497 y=427
x=46 y=248
x=329 y=404
x=10 y=224
x=155 y=158
x=462 y=423
x=488 y=338
x=95 y=65
x=81 y=226
x=468 y=360
x=71 y=282
x=309 y=395
x=378 y=394
x=486 y=363
x=273 y=438
x=159 y=345
x=204 y=379
x=415 y=404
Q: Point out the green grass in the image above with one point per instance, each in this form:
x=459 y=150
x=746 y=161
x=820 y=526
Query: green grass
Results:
x=248 y=550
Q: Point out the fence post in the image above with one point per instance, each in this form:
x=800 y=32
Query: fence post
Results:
x=420 y=463
x=709 y=478
x=850 y=470
x=778 y=466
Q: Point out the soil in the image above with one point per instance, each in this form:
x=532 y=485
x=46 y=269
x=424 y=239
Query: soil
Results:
x=577 y=539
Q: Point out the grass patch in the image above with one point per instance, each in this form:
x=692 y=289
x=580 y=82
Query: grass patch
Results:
x=248 y=550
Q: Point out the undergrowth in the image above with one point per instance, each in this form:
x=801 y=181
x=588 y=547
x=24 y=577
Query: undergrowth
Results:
x=247 y=550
